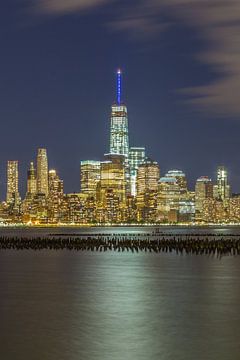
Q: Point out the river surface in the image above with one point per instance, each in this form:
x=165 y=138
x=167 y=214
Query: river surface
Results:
x=62 y=305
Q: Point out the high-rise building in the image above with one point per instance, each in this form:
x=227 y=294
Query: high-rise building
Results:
x=119 y=141
x=148 y=175
x=203 y=190
x=55 y=196
x=222 y=189
x=180 y=178
x=90 y=176
x=136 y=157
x=12 y=182
x=31 y=180
x=169 y=193
x=112 y=176
x=111 y=189
x=42 y=172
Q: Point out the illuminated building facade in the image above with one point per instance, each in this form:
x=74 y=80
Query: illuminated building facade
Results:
x=90 y=176
x=31 y=180
x=215 y=211
x=111 y=193
x=42 y=172
x=13 y=196
x=136 y=157
x=169 y=194
x=55 y=196
x=203 y=190
x=222 y=188
x=119 y=140
x=148 y=175
x=180 y=179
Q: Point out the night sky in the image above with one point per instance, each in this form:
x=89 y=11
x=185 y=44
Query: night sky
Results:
x=181 y=65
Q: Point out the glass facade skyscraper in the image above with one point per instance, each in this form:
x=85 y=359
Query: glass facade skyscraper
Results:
x=136 y=157
x=223 y=189
x=31 y=180
x=42 y=172
x=119 y=140
x=90 y=176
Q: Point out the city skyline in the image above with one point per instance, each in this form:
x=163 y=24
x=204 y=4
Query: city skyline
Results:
x=124 y=186
x=56 y=85
x=117 y=144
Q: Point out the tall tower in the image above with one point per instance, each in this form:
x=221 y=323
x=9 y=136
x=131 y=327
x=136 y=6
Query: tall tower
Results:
x=31 y=180
x=119 y=141
x=136 y=158
x=42 y=172
x=222 y=189
x=12 y=182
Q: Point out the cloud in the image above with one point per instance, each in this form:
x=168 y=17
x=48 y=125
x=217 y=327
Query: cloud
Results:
x=59 y=7
x=217 y=21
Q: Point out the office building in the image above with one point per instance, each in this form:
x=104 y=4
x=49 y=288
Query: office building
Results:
x=136 y=157
x=90 y=176
x=42 y=172
x=12 y=183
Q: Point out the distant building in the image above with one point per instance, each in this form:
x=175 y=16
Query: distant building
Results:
x=31 y=180
x=119 y=140
x=136 y=158
x=13 y=196
x=119 y=137
x=203 y=190
x=111 y=192
x=148 y=175
x=42 y=172
x=169 y=194
x=55 y=196
x=215 y=211
x=180 y=178
x=90 y=176
x=222 y=189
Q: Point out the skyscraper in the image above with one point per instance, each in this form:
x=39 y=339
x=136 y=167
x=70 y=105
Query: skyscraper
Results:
x=90 y=176
x=136 y=157
x=222 y=190
x=31 y=180
x=42 y=172
x=119 y=141
x=12 y=182
x=203 y=190
x=148 y=175
x=111 y=192
x=169 y=194
x=55 y=196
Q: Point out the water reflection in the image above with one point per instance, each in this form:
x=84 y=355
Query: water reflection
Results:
x=66 y=305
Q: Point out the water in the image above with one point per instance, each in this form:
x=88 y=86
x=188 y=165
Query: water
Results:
x=111 y=306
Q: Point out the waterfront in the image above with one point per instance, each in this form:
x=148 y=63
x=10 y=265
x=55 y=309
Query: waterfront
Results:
x=91 y=305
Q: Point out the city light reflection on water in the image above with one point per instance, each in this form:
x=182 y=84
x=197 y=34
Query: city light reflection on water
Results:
x=69 y=305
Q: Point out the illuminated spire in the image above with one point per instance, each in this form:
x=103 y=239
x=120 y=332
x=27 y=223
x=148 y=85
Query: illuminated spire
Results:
x=119 y=86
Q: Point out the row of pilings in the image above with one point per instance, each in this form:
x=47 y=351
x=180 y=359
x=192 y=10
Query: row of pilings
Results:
x=178 y=243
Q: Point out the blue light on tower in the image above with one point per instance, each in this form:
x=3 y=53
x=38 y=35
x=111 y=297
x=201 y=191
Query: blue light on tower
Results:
x=119 y=86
